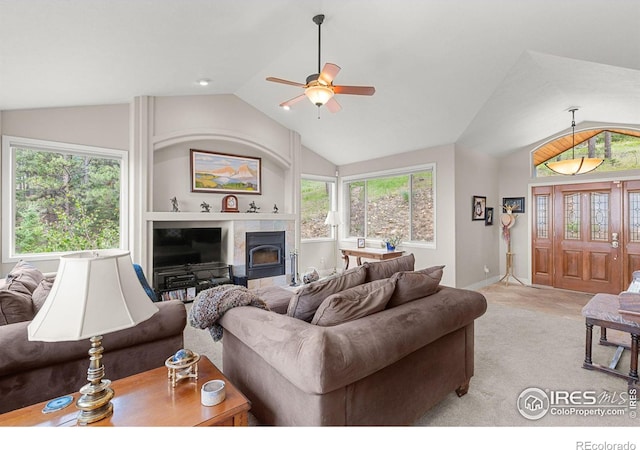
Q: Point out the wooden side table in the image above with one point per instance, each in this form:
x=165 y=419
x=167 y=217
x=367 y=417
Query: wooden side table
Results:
x=147 y=399
x=371 y=253
x=603 y=311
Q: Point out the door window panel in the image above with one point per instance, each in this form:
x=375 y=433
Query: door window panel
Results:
x=599 y=216
x=572 y=216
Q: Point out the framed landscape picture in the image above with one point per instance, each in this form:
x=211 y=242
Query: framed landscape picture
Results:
x=224 y=173
x=516 y=204
x=479 y=208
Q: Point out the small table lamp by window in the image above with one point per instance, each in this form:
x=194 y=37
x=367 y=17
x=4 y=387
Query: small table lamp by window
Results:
x=333 y=219
x=93 y=293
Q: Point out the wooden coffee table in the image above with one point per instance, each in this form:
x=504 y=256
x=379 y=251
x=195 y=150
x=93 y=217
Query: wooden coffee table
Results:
x=147 y=399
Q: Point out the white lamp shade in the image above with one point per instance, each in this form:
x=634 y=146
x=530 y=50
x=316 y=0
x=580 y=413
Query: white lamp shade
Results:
x=94 y=293
x=333 y=218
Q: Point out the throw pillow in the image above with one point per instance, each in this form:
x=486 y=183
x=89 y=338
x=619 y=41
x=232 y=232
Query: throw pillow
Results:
x=27 y=275
x=378 y=270
x=354 y=303
x=40 y=294
x=414 y=285
x=15 y=307
x=305 y=302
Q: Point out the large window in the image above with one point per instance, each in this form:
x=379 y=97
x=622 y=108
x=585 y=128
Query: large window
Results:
x=316 y=199
x=401 y=203
x=60 y=197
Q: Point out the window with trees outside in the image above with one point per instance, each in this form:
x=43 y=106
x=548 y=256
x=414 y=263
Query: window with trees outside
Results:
x=61 y=197
x=316 y=199
x=620 y=152
x=398 y=204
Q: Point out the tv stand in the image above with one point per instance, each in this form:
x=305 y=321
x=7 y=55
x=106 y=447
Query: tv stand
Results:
x=184 y=282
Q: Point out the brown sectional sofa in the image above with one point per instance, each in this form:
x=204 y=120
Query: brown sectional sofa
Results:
x=370 y=364
x=33 y=372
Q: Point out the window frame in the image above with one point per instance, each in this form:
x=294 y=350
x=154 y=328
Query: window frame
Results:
x=333 y=200
x=8 y=171
x=389 y=173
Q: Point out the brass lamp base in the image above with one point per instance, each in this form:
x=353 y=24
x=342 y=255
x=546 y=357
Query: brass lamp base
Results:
x=95 y=402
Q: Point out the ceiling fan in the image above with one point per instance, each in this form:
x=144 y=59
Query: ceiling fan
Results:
x=319 y=87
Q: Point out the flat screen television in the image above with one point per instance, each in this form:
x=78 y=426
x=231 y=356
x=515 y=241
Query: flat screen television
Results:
x=180 y=246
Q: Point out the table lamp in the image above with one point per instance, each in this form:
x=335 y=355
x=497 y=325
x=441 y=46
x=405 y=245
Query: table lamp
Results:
x=94 y=293
x=333 y=219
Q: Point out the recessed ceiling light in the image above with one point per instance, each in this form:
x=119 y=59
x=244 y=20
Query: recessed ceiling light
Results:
x=203 y=82
x=286 y=107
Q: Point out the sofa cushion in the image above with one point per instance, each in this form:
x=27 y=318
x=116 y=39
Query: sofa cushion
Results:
x=25 y=275
x=15 y=306
x=277 y=298
x=305 y=302
x=41 y=293
x=413 y=285
x=354 y=303
x=379 y=270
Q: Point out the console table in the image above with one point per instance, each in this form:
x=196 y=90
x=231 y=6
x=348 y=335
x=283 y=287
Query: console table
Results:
x=147 y=399
x=372 y=253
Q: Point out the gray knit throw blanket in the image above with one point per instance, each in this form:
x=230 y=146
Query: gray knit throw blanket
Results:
x=211 y=304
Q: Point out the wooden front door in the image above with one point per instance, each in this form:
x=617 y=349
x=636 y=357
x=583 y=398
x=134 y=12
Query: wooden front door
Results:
x=579 y=237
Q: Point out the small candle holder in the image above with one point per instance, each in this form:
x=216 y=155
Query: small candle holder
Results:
x=182 y=365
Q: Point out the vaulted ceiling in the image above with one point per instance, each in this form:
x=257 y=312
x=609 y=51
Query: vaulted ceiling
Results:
x=495 y=76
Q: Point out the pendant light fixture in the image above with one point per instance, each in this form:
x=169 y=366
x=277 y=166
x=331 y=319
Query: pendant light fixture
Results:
x=574 y=166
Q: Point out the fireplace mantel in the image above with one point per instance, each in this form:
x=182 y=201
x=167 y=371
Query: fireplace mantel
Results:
x=168 y=216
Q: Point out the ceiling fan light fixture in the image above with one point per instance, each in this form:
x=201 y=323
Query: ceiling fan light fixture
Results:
x=319 y=94
x=574 y=166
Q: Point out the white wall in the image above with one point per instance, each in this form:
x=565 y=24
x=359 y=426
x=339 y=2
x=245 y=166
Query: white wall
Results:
x=476 y=244
x=100 y=126
x=444 y=159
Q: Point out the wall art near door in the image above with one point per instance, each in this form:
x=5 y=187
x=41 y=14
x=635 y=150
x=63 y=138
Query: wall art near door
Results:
x=489 y=217
x=479 y=208
x=223 y=173
x=513 y=204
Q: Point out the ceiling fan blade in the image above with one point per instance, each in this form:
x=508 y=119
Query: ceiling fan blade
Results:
x=292 y=101
x=280 y=80
x=333 y=105
x=354 y=90
x=329 y=72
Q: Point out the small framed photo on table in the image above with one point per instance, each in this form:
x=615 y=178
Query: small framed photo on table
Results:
x=361 y=242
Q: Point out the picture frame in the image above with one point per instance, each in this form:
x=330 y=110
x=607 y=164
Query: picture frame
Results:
x=489 y=217
x=361 y=243
x=223 y=173
x=517 y=204
x=479 y=207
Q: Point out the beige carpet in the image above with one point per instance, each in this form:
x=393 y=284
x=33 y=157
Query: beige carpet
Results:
x=529 y=337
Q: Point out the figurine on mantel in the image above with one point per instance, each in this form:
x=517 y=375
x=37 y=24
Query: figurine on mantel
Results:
x=205 y=207
x=253 y=208
x=275 y=208
x=174 y=205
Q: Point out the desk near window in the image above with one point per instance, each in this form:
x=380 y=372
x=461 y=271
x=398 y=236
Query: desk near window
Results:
x=372 y=253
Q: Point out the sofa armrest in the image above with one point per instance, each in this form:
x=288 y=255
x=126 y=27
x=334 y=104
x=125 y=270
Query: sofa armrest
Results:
x=321 y=359
x=19 y=354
